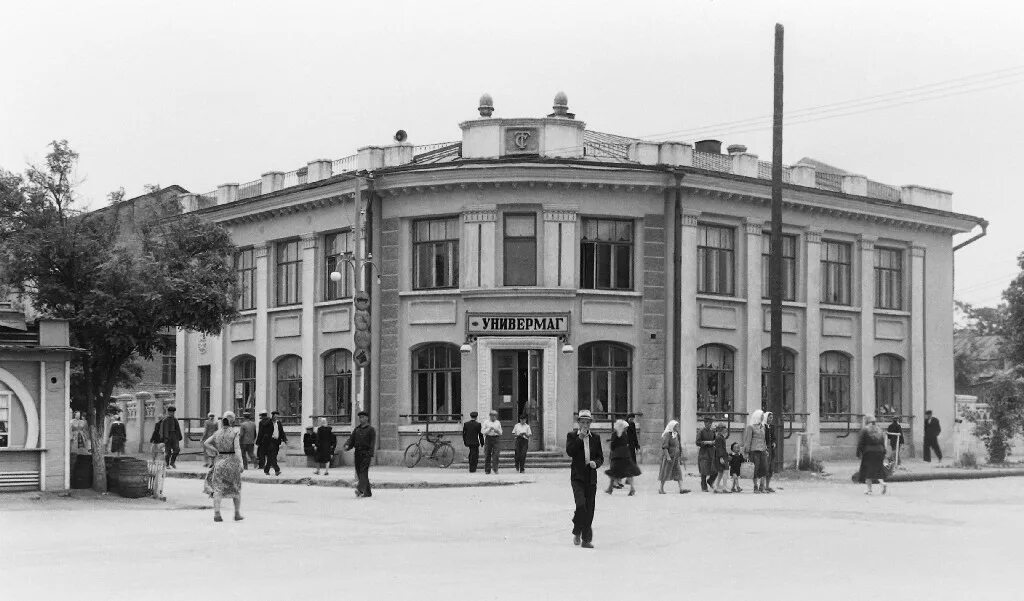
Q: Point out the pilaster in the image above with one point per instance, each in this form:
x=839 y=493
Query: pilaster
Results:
x=559 y=247
x=866 y=244
x=812 y=334
x=688 y=325
x=755 y=317
x=260 y=329
x=309 y=295
x=917 y=350
x=183 y=395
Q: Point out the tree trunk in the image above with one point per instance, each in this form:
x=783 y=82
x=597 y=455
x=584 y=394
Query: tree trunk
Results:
x=99 y=466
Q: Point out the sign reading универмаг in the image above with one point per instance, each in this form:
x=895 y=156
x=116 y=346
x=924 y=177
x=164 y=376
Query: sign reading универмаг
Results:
x=512 y=324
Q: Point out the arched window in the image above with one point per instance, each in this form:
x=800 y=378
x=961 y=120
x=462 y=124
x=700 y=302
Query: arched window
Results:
x=606 y=375
x=437 y=382
x=888 y=385
x=289 y=389
x=715 y=378
x=788 y=379
x=834 y=386
x=338 y=386
x=244 y=390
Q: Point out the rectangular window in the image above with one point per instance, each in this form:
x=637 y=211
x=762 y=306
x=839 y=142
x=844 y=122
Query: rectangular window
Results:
x=520 y=250
x=338 y=247
x=5 y=420
x=716 y=251
x=204 y=389
x=835 y=273
x=788 y=267
x=289 y=273
x=606 y=254
x=168 y=370
x=245 y=280
x=888 y=278
x=435 y=253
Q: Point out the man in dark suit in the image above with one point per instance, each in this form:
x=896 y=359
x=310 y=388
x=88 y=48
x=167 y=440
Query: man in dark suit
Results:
x=932 y=429
x=170 y=432
x=261 y=448
x=584 y=447
x=364 y=440
x=269 y=440
x=473 y=438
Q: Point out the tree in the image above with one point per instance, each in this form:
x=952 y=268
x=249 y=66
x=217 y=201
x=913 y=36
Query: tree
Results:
x=120 y=286
x=1014 y=330
x=983 y=321
x=1004 y=417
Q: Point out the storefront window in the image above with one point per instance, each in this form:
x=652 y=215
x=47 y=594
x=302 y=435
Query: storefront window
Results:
x=338 y=385
x=834 y=394
x=437 y=383
x=716 y=250
x=788 y=379
x=289 y=388
x=435 y=248
x=888 y=385
x=520 y=250
x=606 y=254
x=714 y=378
x=244 y=372
x=605 y=378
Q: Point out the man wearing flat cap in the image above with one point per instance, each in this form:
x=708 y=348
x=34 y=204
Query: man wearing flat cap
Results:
x=170 y=432
x=584 y=447
x=473 y=438
x=269 y=440
x=364 y=440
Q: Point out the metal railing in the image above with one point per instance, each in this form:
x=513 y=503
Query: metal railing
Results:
x=290 y=420
x=839 y=418
x=250 y=189
x=343 y=164
x=333 y=420
x=437 y=418
x=883 y=191
x=425 y=148
x=610 y=416
x=712 y=161
x=729 y=417
x=789 y=421
x=829 y=181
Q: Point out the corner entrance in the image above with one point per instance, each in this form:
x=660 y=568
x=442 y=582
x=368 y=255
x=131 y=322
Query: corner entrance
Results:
x=517 y=383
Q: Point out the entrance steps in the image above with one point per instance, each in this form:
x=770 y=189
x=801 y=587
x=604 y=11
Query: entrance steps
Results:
x=534 y=460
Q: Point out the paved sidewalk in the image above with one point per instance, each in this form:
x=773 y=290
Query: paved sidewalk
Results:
x=384 y=476
x=917 y=470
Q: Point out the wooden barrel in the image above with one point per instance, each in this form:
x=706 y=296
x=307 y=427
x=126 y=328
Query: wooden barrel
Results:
x=81 y=471
x=113 y=465
x=132 y=478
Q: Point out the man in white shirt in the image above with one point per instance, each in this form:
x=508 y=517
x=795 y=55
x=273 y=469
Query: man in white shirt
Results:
x=522 y=433
x=492 y=442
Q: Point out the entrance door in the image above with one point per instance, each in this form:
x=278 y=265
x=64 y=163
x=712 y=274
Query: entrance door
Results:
x=517 y=379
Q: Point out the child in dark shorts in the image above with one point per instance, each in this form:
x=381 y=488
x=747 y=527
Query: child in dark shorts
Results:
x=735 y=461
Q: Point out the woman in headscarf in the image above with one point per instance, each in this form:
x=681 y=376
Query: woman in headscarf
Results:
x=621 y=465
x=225 y=477
x=871 y=450
x=755 y=446
x=769 y=439
x=706 y=454
x=671 y=457
x=325 y=444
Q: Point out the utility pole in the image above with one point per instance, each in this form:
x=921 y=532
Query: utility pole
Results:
x=776 y=388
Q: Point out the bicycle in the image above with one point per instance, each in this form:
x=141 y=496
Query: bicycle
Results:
x=440 y=450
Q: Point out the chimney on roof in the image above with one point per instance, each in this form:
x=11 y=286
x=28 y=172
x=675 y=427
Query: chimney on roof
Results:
x=709 y=146
x=736 y=149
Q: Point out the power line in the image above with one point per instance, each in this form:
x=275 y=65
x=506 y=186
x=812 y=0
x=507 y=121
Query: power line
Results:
x=970 y=83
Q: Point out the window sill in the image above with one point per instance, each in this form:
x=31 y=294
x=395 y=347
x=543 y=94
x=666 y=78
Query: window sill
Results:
x=282 y=309
x=896 y=312
x=841 y=308
x=432 y=292
x=791 y=304
x=513 y=291
x=595 y=292
x=722 y=298
x=247 y=313
x=333 y=303
x=22 y=450
x=438 y=427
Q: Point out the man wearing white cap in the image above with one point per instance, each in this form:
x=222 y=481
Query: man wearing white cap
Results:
x=584 y=447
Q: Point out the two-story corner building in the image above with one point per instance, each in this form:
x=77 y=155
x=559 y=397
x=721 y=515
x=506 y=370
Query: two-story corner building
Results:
x=539 y=267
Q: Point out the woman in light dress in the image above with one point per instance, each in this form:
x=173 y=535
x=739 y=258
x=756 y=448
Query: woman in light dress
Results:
x=225 y=477
x=671 y=458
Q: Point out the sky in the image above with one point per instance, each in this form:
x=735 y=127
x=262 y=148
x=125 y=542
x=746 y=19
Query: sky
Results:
x=204 y=93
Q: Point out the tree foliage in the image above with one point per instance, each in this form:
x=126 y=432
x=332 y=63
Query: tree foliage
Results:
x=1014 y=323
x=121 y=285
x=1004 y=417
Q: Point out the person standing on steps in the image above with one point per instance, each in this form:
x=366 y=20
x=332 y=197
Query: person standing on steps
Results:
x=706 y=454
x=210 y=427
x=492 y=443
x=521 y=433
x=584 y=447
x=247 y=440
x=170 y=433
x=473 y=438
x=932 y=429
x=364 y=440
